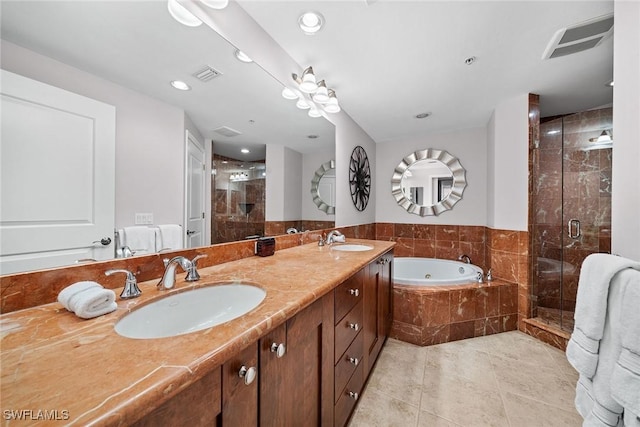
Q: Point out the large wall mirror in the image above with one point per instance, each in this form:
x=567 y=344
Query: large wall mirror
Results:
x=231 y=104
x=428 y=182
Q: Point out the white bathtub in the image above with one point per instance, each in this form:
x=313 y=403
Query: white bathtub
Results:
x=433 y=272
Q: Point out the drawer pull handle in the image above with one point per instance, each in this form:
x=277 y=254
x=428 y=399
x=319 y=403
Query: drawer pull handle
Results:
x=248 y=374
x=353 y=395
x=354 y=292
x=354 y=326
x=354 y=360
x=278 y=349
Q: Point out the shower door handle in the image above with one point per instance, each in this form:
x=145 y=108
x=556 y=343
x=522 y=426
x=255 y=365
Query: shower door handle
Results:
x=574 y=224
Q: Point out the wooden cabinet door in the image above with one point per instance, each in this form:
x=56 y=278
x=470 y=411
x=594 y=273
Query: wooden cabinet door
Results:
x=240 y=389
x=296 y=389
x=377 y=308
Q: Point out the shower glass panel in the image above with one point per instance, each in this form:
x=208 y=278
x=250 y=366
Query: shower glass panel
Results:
x=572 y=208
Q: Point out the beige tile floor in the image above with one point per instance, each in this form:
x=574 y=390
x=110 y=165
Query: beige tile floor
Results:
x=508 y=379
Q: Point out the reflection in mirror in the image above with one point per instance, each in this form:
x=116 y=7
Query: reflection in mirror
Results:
x=129 y=63
x=323 y=187
x=428 y=182
x=238 y=204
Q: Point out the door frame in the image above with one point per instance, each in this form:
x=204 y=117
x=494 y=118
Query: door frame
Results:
x=190 y=138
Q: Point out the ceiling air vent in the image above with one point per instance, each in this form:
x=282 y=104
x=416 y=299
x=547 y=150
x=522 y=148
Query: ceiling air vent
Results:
x=227 y=131
x=207 y=73
x=579 y=37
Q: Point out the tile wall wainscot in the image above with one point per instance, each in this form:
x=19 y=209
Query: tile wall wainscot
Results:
x=275 y=228
x=504 y=251
x=30 y=289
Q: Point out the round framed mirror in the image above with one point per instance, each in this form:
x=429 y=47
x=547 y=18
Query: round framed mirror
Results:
x=323 y=187
x=428 y=182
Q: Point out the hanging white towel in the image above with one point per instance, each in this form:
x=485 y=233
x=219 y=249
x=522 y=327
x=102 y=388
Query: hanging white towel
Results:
x=140 y=239
x=625 y=380
x=170 y=236
x=591 y=309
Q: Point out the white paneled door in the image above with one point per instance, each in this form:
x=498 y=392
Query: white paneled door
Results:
x=195 y=197
x=57 y=158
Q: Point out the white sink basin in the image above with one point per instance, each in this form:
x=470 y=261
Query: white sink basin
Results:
x=351 y=248
x=190 y=311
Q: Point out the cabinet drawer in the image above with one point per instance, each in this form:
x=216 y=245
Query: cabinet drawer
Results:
x=347 y=364
x=348 y=398
x=347 y=295
x=347 y=329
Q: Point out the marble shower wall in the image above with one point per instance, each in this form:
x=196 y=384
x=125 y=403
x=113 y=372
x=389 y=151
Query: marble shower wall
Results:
x=569 y=182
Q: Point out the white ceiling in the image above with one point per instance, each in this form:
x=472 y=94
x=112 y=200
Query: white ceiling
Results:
x=389 y=60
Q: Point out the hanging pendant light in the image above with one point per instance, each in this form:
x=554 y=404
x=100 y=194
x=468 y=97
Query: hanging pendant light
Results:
x=308 y=83
x=321 y=96
x=332 y=106
x=216 y=4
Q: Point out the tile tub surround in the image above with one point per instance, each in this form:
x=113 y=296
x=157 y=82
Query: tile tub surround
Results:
x=53 y=360
x=438 y=314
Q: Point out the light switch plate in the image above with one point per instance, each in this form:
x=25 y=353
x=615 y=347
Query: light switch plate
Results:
x=144 y=219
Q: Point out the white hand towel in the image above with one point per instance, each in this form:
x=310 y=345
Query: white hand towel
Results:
x=95 y=302
x=170 y=236
x=67 y=294
x=140 y=239
x=591 y=309
x=625 y=379
x=88 y=299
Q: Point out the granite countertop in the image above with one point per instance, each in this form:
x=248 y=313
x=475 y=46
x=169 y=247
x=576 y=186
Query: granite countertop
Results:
x=52 y=360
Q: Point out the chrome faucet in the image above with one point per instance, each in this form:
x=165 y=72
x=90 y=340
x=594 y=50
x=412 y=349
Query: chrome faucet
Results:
x=192 y=272
x=168 y=280
x=480 y=277
x=131 y=289
x=332 y=235
x=464 y=258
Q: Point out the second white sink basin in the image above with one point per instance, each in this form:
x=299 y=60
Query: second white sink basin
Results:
x=190 y=311
x=351 y=247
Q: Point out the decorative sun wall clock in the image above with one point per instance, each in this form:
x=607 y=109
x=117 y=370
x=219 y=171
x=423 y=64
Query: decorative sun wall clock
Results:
x=359 y=178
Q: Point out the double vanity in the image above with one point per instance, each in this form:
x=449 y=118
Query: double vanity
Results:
x=306 y=326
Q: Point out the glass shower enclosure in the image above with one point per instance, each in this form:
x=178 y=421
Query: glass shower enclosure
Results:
x=571 y=208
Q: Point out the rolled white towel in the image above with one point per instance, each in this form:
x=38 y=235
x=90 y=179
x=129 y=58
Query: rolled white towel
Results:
x=88 y=299
x=95 y=302
x=66 y=295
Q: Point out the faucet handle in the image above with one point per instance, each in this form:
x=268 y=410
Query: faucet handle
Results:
x=192 y=271
x=131 y=289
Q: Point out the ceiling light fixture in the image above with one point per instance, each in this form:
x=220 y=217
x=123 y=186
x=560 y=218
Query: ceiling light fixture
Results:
x=312 y=95
x=310 y=22
x=182 y=15
x=422 y=115
x=245 y=151
x=470 y=60
x=242 y=57
x=180 y=85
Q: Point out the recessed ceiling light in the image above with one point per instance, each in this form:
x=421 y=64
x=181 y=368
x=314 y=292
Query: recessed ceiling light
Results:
x=312 y=136
x=422 y=115
x=470 y=60
x=311 y=22
x=241 y=56
x=245 y=151
x=180 y=85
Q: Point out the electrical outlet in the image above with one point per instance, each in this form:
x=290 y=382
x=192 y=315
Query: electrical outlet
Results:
x=144 y=219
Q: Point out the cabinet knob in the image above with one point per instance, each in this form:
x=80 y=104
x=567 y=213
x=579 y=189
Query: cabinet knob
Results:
x=354 y=326
x=248 y=374
x=353 y=395
x=354 y=292
x=382 y=261
x=278 y=349
x=353 y=360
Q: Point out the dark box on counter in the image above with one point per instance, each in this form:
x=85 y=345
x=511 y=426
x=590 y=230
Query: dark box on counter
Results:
x=265 y=246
